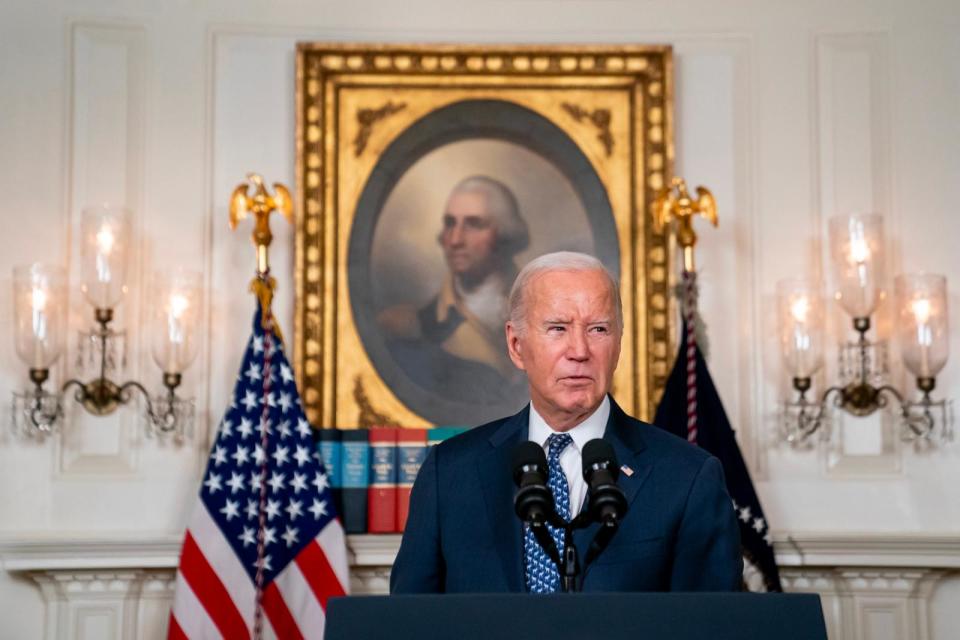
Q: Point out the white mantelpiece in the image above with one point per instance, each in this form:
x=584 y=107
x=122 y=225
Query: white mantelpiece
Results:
x=872 y=586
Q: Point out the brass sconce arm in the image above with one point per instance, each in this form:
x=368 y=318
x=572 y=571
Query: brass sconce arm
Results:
x=860 y=398
x=101 y=396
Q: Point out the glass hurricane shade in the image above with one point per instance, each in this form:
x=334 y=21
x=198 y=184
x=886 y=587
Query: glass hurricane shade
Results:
x=174 y=319
x=104 y=253
x=800 y=309
x=922 y=327
x=40 y=313
x=856 y=251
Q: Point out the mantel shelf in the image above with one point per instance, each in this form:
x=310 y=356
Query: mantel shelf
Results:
x=27 y=553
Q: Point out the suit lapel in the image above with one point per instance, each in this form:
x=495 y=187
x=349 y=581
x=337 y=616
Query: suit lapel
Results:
x=496 y=479
x=626 y=438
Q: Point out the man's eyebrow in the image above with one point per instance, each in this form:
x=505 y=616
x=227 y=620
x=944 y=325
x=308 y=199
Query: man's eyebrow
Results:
x=564 y=321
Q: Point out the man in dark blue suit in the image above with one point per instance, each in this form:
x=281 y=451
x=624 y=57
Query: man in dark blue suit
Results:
x=680 y=531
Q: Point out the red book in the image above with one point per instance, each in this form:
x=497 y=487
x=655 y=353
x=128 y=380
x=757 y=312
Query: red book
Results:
x=382 y=496
x=411 y=450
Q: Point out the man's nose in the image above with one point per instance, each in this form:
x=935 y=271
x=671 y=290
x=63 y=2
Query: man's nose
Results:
x=456 y=234
x=577 y=347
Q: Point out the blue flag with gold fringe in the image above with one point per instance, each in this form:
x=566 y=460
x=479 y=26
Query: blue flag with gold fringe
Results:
x=691 y=404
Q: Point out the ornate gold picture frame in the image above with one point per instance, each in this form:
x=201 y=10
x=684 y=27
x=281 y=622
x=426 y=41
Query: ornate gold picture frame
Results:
x=576 y=140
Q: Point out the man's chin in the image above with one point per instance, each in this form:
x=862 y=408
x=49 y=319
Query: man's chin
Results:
x=579 y=400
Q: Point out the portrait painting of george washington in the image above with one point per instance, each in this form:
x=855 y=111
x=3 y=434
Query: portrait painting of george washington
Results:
x=454 y=227
x=428 y=176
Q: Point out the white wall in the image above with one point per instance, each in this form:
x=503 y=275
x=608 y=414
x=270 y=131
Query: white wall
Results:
x=790 y=112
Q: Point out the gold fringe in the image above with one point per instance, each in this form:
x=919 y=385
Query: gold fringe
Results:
x=263 y=288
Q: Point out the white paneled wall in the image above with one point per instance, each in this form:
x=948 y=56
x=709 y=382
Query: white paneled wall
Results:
x=789 y=112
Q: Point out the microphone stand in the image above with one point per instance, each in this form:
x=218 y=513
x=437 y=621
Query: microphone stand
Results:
x=569 y=568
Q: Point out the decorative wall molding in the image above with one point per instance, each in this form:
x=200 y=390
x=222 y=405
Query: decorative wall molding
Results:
x=39 y=553
x=871 y=586
x=868 y=550
x=106 y=155
x=853 y=172
x=806 y=551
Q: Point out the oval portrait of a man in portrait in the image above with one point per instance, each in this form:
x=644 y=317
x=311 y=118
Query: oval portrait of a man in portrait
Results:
x=460 y=202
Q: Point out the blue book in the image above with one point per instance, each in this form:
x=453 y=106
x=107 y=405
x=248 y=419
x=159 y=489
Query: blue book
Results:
x=437 y=435
x=355 y=478
x=411 y=450
x=330 y=448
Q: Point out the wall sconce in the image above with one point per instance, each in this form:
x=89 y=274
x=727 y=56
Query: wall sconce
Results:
x=856 y=244
x=40 y=310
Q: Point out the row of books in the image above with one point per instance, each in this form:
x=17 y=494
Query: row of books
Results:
x=371 y=472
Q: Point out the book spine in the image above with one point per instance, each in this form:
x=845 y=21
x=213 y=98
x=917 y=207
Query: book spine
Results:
x=411 y=450
x=355 y=474
x=439 y=434
x=382 y=501
x=330 y=448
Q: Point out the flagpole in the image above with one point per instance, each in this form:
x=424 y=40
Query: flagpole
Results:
x=674 y=203
x=260 y=205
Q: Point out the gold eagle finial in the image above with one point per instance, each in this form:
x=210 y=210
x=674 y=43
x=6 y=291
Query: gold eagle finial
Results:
x=261 y=204
x=676 y=203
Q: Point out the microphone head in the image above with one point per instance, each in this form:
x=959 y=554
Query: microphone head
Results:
x=599 y=454
x=527 y=456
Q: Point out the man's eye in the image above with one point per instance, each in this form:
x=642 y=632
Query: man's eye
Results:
x=477 y=223
x=598 y=329
x=556 y=328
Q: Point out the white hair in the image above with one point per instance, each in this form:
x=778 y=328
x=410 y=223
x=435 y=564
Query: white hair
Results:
x=557 y=261
x=513 y=236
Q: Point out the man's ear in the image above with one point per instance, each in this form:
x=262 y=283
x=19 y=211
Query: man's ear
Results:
x=514 y=346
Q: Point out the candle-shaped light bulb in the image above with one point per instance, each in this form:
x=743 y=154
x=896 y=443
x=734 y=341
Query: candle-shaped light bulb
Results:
x=39 y=299
x=176 y=307
x=104 y=252
x=799 y=309
x=174 y=340
x=105 y=240
x=800 y=318
x=923 y=325
x=921 y=313
x=856 y=244
x=859 y=250
x=921 y=310
x=178 y=304
x=39 y=313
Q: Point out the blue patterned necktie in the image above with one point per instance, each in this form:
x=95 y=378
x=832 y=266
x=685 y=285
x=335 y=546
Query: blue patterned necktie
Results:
x=541 y=573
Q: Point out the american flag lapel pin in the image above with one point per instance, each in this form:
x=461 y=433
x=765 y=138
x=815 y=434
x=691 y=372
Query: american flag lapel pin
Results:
x=627 y=471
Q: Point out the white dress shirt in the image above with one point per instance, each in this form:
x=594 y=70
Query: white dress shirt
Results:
x=571 y=457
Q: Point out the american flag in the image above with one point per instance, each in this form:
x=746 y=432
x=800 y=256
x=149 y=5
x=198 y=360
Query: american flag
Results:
x=264 y=550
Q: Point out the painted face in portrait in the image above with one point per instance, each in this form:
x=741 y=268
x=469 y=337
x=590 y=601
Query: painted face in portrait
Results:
x=469 y=236
x=568 y=345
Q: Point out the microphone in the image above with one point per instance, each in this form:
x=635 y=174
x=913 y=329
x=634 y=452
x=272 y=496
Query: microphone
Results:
x=533 y=501
x=607 y=503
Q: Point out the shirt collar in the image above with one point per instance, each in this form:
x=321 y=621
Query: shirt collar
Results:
x=592 y=427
